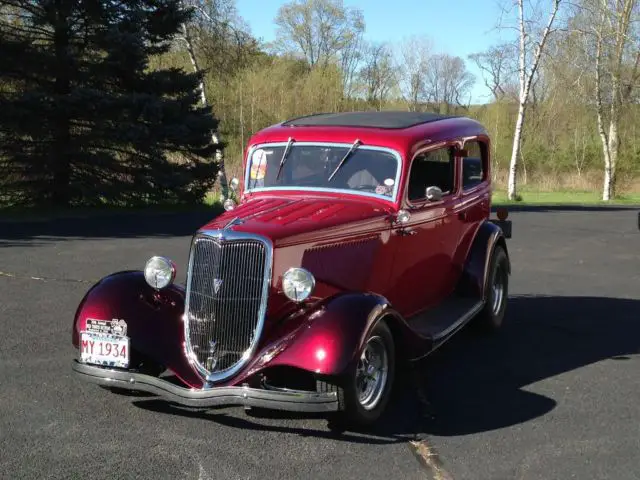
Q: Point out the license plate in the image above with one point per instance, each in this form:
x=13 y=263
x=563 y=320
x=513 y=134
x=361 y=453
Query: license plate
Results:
x=104 y=349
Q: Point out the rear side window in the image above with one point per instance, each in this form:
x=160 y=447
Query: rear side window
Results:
x=474 y=165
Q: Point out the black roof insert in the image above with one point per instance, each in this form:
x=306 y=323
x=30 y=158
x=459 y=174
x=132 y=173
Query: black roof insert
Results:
x=385 y=119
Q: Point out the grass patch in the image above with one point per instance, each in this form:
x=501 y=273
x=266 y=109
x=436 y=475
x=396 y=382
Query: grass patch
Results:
x=562 y=197
x=213 y=198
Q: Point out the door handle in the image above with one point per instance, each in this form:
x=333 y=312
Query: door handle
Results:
x=462 y=215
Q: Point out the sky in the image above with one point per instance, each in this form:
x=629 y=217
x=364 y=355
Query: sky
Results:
x=456 y=27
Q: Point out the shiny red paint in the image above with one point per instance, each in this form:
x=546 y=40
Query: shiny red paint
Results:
x=352 y=246
x=325 y=337
x=426 y=256
x=431 y=258
x=345 y=242
x=321 y=337
x=154 y=320
x=289 y=218
x=433 y=255
x=406 y=142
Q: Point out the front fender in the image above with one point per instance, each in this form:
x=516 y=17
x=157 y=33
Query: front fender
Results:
x=154 y=320
x=331 y=335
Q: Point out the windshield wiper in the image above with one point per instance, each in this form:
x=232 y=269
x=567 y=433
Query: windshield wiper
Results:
x=355 y=145
x=284 y=156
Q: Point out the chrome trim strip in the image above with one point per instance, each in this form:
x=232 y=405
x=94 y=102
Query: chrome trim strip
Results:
x=268 y=268
x=341 y=191
x=391 y=151
x=468 y=202
x=292 y=400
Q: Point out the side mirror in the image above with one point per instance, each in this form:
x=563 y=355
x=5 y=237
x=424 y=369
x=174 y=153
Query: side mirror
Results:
x=234 y=183
x=434 y=194
x=229 y=204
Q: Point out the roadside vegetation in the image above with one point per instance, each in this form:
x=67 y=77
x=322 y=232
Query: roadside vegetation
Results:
x=133 y=104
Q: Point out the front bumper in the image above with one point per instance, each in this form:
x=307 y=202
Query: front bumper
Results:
x=290 y=400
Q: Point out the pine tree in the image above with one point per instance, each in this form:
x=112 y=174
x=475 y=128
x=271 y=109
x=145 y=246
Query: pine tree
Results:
x=83 y=120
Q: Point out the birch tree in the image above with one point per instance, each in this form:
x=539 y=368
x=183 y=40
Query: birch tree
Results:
x=203 y=10
x=530 y=51
x=614 y=43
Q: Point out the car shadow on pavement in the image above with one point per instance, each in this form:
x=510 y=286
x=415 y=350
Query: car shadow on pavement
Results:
x=476 y=382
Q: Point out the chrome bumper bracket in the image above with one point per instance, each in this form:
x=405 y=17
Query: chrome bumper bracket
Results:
x=294 y=401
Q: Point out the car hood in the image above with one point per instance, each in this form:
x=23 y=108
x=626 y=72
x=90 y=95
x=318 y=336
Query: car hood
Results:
x=296 y=219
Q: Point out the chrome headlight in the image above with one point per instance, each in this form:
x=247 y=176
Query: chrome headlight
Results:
x=297 y=284
x=159 y=272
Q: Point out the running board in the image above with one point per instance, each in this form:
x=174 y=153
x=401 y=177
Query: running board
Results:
x=439 y=323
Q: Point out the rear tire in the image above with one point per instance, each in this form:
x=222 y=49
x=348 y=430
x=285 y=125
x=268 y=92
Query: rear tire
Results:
x=491 y=317
x=365 y=391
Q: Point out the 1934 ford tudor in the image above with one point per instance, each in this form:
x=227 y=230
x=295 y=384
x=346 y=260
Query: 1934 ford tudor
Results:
x=356 y=242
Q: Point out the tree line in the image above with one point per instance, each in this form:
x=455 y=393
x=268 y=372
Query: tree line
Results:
x=152 y=101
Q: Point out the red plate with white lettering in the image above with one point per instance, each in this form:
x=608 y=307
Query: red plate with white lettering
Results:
x=104 y=349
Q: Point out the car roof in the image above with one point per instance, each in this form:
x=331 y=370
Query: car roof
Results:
x=384 y=119
x=404 y=132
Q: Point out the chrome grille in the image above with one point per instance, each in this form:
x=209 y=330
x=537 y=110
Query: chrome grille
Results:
x=227 y=287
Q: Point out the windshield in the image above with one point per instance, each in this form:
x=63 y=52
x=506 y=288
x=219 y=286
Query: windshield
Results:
x=367 y=170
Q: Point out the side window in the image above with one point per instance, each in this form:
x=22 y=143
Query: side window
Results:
x=429 y=169
x=473 y=167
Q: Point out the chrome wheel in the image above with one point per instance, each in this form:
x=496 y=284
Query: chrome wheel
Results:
x=497 y=290
x=371 y=373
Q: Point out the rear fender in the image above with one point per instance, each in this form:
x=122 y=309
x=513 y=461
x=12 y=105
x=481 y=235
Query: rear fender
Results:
x=476 y=268
x=153 y=318
x=331 y=335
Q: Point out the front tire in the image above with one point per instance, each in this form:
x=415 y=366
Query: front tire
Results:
x=367 y=385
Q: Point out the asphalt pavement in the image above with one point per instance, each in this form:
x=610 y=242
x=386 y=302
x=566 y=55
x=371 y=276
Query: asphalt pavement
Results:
x=553 y=396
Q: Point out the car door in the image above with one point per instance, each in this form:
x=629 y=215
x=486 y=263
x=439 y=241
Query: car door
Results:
x=473 y=207
x=423 y=271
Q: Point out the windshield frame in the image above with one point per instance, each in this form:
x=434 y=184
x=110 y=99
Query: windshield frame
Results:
x=394 y=153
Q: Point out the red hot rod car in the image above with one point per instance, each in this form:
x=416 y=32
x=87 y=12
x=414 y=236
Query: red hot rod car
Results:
x=359 y=241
